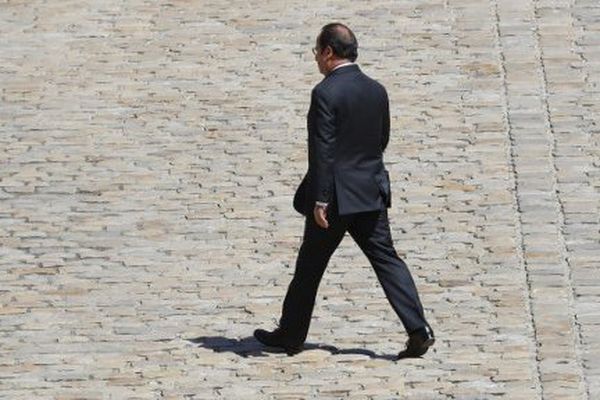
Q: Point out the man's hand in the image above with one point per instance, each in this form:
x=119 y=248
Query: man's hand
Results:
x=320 y=213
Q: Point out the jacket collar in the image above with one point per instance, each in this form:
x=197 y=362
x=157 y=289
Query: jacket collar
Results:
x=343 y=70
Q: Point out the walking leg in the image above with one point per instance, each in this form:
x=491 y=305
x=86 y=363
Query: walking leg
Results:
x=317 y=247
x=371 y=231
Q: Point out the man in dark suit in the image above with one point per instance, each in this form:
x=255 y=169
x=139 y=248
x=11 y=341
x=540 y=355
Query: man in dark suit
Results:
x=346 y=188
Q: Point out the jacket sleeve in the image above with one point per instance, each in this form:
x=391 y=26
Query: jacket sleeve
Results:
x=385 y=132
x=323 y=136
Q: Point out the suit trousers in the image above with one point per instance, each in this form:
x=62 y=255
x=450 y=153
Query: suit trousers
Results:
x=371 y=231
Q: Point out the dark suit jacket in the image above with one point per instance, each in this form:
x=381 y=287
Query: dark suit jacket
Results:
x=348 y=130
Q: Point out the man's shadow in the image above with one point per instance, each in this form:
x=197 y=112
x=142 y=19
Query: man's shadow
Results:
x=249 y=346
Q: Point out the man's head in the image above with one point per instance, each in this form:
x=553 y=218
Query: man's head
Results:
x=336 y=44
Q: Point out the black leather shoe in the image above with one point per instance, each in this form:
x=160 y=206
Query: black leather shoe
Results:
x=418 y=343
x=275 y=339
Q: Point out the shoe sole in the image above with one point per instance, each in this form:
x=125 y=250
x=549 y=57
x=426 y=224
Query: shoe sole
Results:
x=292 y=352
x=288 y=351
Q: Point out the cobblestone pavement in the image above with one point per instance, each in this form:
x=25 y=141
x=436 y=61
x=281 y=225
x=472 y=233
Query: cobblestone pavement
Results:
x=149 y=153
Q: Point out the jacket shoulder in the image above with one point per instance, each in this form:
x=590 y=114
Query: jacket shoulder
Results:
x=379 y=88
x=376 y=83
